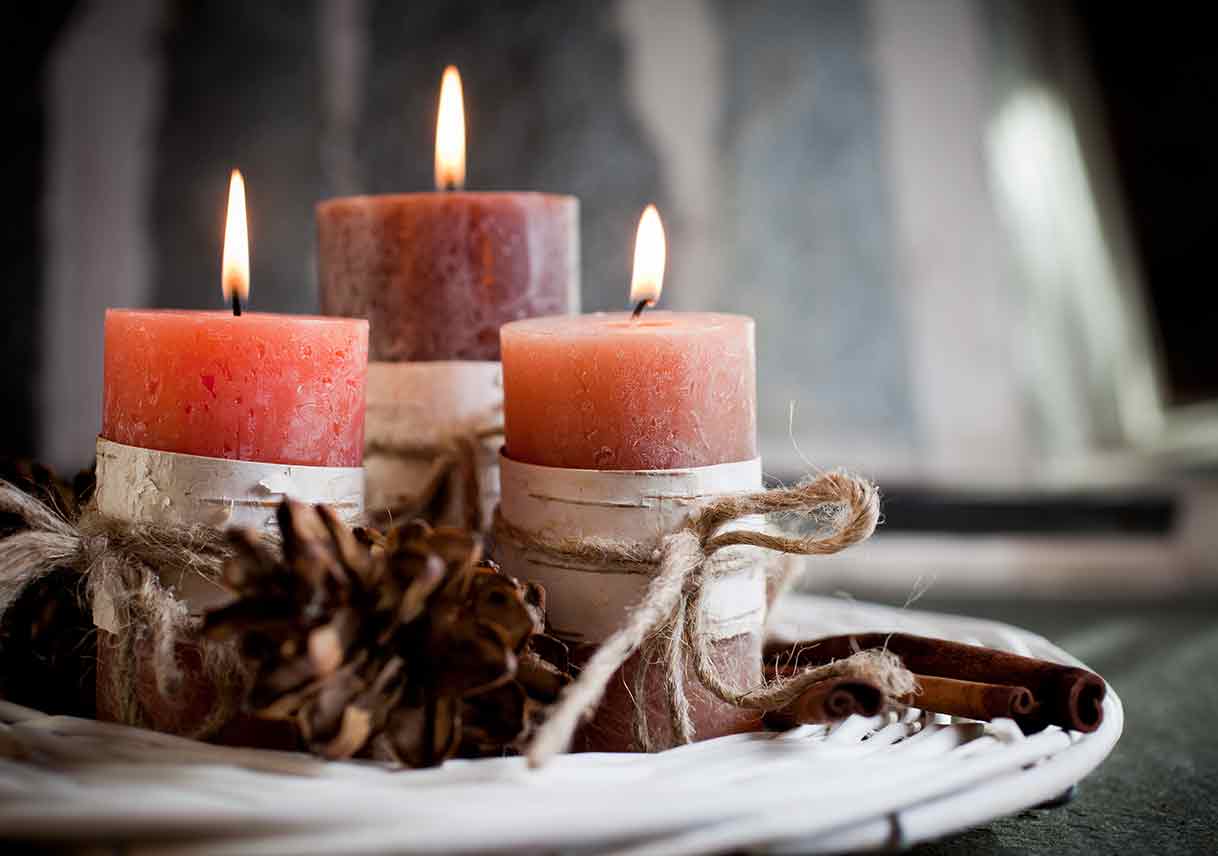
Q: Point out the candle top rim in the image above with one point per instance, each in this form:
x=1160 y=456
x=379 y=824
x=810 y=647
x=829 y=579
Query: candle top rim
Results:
x=232 y=461
x=365 y=198
x=625 y=475
x=655 y=322
x=218 y=314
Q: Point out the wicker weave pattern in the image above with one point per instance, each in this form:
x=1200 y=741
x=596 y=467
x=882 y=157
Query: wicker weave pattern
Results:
x=860 y=785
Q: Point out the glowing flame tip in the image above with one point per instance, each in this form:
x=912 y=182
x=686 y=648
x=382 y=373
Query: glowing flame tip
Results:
x=649 y=258
x=235 y=269
x=450 y=133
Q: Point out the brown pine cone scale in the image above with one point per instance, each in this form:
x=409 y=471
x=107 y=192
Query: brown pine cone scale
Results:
x=405 y=645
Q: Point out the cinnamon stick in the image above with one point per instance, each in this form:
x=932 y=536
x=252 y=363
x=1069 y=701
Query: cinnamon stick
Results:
x=828 y=701
x=971 y=699
x=1065 y=696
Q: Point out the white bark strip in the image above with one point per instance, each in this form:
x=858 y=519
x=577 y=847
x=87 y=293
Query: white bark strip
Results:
x=416 y=407
x=586 y=602
x=165 y=488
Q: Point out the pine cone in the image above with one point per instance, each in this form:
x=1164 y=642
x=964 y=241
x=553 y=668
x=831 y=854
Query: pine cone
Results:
x=406 y=645
x=48 y=648
x=44 y=484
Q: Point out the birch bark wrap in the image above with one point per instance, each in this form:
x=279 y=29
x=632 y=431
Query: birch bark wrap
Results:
x=415 y=412
x=150 y=488
x=147 y=486
x=589 y=600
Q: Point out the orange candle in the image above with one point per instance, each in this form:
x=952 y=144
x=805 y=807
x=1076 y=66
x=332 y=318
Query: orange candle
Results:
x=611 y=391
x=608 y=392
x=637 y=394
x=253 y=387
x=274 y=388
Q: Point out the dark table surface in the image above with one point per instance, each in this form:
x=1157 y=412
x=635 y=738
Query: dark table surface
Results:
x=1158 y=790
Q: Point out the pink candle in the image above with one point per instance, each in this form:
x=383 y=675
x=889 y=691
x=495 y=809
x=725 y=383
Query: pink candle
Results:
x=642 y=391
x=608 y=392
x=258 y=387
x=646 y=391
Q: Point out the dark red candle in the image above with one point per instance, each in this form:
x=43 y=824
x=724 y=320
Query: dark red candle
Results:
x=437 y=274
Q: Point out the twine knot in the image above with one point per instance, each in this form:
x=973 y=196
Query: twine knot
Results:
x=121 y=564
x=452 y=461
x=667 y=623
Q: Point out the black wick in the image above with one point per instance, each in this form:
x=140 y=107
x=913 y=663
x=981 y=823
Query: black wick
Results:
x=236 y=304
x=639 y=307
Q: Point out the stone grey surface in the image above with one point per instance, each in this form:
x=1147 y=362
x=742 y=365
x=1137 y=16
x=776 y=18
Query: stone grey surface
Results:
x=242 y=90
x=309 y=101
x=766 y=129
x=105 y=103
x=546 y=110
x=26 y=52
x=809 y=219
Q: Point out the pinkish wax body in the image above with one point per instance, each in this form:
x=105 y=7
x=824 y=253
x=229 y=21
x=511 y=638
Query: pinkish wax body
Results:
x=437 y=274
x=607 y=392
x=612 y=727
x=282 y=389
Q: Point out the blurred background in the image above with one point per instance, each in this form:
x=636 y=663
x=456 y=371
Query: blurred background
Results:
x=974 y=233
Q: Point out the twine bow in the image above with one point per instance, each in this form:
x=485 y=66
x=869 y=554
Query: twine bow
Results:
x=452 y=461
x=669 y=618
x=119 y=563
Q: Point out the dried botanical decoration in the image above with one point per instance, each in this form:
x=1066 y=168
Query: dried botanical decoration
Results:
x=47 y=646
x=405 y=645
x=48 y=650
x=45 y=485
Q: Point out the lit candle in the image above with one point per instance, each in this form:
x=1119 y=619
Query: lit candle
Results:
x=615 y=391
x=212 y=418
x=279 y=389
x=437 y=274
x=618 y=426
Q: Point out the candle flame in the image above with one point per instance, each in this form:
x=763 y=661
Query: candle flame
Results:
x=450 y=133
x=649 y=258
x=235 y=270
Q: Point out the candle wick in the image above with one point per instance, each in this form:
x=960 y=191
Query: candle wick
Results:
x=639 y=307
x=449 y=185
x=236 y=305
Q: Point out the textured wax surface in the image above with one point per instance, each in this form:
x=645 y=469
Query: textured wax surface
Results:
x=607 y=392
x=611 y=728
x=437 y=274
x=282 y=389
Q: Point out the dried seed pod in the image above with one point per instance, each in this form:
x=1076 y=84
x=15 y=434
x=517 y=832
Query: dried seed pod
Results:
x=499 y=600
x=404 y=645
x=492 y=720
x=541 y=679
x=42 y=483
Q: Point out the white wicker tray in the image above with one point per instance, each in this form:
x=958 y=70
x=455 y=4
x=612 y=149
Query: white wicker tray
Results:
x=864 y=784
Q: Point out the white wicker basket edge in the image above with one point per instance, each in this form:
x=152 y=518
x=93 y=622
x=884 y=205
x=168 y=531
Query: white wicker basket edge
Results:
x=862 y=784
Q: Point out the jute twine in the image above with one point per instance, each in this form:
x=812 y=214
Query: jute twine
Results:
x=120 y=562
x=122 y=565
x=453 y=460
x=667 y=624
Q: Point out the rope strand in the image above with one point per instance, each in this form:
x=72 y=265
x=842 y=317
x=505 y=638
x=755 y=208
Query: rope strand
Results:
x=120 y=562
x=671 y=613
